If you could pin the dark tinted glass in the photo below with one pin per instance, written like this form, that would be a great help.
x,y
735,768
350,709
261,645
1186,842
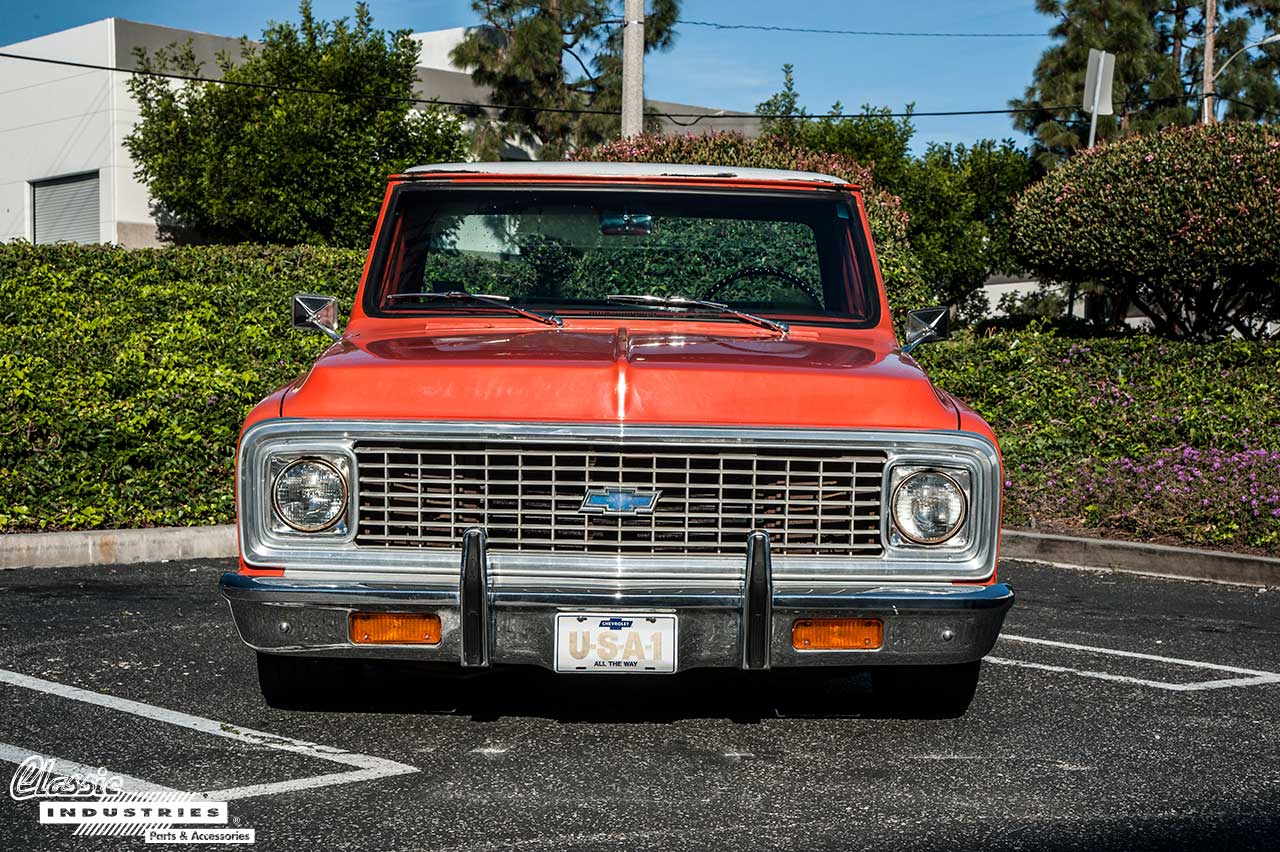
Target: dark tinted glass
x,y
795,254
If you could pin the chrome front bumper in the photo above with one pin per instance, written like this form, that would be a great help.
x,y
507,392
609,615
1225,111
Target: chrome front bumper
x,y
745,626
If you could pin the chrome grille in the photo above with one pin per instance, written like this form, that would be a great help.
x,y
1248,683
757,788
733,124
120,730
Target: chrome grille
x,y
526,497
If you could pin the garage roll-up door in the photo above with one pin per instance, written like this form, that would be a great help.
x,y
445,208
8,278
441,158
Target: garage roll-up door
x,y
66,209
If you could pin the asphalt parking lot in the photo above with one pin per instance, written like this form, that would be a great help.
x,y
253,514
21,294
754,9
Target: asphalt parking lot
x,y
1118,712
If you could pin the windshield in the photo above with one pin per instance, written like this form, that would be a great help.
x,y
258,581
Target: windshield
x,y
799,256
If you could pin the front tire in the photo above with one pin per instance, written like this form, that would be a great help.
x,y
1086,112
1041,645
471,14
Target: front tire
x,y
295,683
931,692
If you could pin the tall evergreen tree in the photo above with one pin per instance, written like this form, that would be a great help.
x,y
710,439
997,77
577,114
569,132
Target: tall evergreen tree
x,y
1158,45
535,55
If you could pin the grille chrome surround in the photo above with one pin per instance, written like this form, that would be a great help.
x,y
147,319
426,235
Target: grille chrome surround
x,y
816,502
322,558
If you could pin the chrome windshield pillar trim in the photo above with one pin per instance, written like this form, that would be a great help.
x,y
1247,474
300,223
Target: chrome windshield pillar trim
x,y
473,600
757,603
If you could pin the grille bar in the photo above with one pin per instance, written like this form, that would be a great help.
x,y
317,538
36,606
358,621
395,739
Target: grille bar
x,y
526,497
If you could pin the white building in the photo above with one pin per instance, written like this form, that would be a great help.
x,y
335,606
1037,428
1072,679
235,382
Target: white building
x,y
65,175
64,172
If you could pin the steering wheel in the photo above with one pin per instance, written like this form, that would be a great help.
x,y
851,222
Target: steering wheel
x,y
765,272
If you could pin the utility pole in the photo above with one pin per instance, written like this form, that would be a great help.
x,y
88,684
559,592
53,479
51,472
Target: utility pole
x,y
1210,25
633,68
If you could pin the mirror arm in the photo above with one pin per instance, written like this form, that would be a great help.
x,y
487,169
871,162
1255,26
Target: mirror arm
x,y
922,337
331,333
307,309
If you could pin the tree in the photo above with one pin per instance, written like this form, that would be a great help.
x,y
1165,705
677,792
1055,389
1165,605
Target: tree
x,y
267,163
958,198
540,56
875,138
1158,68
1185,224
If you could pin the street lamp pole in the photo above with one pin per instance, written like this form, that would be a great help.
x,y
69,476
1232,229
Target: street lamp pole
x,y
1271,39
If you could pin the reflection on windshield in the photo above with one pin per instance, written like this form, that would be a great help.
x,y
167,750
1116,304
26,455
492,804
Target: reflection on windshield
x,y
562,250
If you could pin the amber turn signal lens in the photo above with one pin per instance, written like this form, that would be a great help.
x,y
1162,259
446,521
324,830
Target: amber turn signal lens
x,y
395,628
837,634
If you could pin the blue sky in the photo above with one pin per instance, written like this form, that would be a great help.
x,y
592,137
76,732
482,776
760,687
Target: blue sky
x,y
732,69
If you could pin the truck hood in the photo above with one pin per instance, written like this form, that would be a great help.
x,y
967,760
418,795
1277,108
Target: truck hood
x,y
621,376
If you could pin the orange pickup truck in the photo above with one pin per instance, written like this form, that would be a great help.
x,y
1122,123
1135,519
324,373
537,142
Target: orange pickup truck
x,y
620,419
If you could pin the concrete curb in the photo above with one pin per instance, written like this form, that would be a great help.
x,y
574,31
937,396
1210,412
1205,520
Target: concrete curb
x,y
117,547
1136,558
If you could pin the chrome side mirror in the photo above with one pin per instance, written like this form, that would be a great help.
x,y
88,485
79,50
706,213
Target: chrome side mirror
x,y
316,313
926,325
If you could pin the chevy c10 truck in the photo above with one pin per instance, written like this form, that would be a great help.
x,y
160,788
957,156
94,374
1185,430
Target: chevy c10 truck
x,y
623,419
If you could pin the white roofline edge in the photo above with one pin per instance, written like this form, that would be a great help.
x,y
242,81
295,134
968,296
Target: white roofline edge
x,y
630,170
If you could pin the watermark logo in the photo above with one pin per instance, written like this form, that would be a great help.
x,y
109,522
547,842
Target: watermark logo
x,y
98,802
39,776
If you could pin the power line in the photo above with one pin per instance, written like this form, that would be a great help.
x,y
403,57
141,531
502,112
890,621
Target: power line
x,y
193,78
696,116
877,33
1258,109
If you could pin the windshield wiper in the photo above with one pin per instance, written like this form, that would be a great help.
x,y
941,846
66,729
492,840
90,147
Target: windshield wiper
x,y
685,302
487,298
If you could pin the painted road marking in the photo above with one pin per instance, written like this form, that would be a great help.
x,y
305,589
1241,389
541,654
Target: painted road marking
x,y
68,768
1252,676
367,768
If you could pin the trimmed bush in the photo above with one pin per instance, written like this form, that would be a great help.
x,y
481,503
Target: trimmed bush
x,y
901,269
128,373
1183,223
1139,437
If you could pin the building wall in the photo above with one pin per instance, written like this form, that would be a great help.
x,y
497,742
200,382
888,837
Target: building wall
x,y
56,121
135,224
59,120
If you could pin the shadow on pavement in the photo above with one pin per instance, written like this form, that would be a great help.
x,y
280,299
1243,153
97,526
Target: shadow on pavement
x,y
744,697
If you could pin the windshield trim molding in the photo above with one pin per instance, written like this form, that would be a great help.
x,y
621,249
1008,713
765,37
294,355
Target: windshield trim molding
x,y
371,284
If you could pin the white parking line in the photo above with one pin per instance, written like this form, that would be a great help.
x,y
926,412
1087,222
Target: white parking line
x,y
1253,677
68,768
367,768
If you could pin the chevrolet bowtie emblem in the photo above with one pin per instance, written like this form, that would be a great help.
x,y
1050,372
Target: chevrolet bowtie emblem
x,y
619,501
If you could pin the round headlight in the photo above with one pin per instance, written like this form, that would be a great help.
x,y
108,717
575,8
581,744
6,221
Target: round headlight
x,y
310,495
928,507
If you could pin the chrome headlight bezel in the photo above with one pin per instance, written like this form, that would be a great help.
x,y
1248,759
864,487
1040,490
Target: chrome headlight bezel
x,y
258,519
959,478
978,480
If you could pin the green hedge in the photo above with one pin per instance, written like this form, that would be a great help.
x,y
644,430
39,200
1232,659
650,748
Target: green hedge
x,y
1140,436
127,375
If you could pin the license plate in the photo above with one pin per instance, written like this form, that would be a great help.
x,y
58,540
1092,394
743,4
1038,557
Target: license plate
x,y
607,642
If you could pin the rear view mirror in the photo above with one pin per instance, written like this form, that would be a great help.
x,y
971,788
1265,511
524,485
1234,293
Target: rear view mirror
x,y
926,325
626,224
316,313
